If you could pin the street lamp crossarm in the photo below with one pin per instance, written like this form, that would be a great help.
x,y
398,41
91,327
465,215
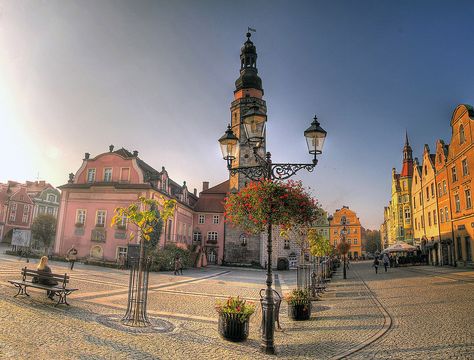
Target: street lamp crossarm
x,y
285,171
254,173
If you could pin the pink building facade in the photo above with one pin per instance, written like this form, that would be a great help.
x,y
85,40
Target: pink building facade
x,y
105,182
209,226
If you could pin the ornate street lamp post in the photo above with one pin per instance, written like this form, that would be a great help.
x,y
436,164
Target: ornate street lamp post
x,y
253,122
344,250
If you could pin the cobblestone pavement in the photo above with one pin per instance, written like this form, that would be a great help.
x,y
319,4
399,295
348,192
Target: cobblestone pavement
x,y
431,309
349,317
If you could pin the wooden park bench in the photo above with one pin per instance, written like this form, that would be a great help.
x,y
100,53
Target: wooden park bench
x,y
61,290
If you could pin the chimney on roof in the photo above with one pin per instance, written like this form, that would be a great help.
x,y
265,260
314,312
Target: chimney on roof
x,y
135,153
205,185
195,192
111,148
86,156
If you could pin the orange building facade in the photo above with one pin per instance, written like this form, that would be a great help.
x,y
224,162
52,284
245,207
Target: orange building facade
x,y
353,230
460,170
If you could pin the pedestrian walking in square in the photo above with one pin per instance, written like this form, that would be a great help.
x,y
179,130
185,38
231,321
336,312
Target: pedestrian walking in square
x,y
386,261
71,256
376,265
177,266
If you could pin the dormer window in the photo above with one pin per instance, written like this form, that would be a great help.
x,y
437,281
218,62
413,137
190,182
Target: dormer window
x,y
51,198
90,175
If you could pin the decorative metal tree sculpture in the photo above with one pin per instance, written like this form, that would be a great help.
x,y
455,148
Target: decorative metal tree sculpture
x,y
145,217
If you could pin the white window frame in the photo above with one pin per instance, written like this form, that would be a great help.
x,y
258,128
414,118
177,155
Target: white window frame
x,y
14,207
50,210
355,241
109,179
53,196
81,214
104,217
197,236
465,167
12,216
457,203
121,250
91,175
24,219
201,219
467,194
215,219
212,236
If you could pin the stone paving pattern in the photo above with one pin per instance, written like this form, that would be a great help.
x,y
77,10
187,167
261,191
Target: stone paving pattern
x,y
424,326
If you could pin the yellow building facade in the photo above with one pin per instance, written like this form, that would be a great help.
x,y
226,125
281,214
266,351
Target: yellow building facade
x,y
347,218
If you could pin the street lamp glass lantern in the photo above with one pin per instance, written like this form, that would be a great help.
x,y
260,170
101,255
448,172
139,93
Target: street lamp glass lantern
x,y
315,136
229,144
254,124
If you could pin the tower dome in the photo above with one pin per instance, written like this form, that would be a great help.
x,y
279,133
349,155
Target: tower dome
x,y
248,78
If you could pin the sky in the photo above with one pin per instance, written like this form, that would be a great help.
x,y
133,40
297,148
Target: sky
x,y
158,77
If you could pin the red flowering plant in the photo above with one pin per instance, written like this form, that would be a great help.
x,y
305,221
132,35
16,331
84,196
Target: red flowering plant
x,y
286,204
240,308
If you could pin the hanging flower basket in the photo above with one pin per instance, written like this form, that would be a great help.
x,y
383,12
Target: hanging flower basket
x,y
234,316
283,203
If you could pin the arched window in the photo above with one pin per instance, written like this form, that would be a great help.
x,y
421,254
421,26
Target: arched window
x,y
462,137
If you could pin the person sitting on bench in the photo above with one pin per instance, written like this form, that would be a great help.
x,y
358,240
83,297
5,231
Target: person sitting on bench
x,y
44,278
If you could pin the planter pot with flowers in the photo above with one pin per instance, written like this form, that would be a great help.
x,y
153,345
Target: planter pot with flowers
x,y
299,304
234,315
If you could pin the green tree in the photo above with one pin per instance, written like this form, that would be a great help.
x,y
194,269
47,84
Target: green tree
x,y
145,217
43,229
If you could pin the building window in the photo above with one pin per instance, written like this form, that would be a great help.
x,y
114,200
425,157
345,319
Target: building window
x,y
212,236
426,170
286,244
441,215
215,219
100,220
80,216
457,203
416,180
24,218
26,209
422,221
201,219
462,137
349,241
122,251
414,202
335,231
14,207
400,214
108,174
444,187
197,236
407,216
467,192
335,242
355,231
51,198
41,209
429,218
435,220
465,170
355,241
12,216
446,214
454,175
50,210
348,231
432,190
427,193
421,198
439,190
90,175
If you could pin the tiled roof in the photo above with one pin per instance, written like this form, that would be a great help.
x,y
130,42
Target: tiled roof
x,y
212,200
222,188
